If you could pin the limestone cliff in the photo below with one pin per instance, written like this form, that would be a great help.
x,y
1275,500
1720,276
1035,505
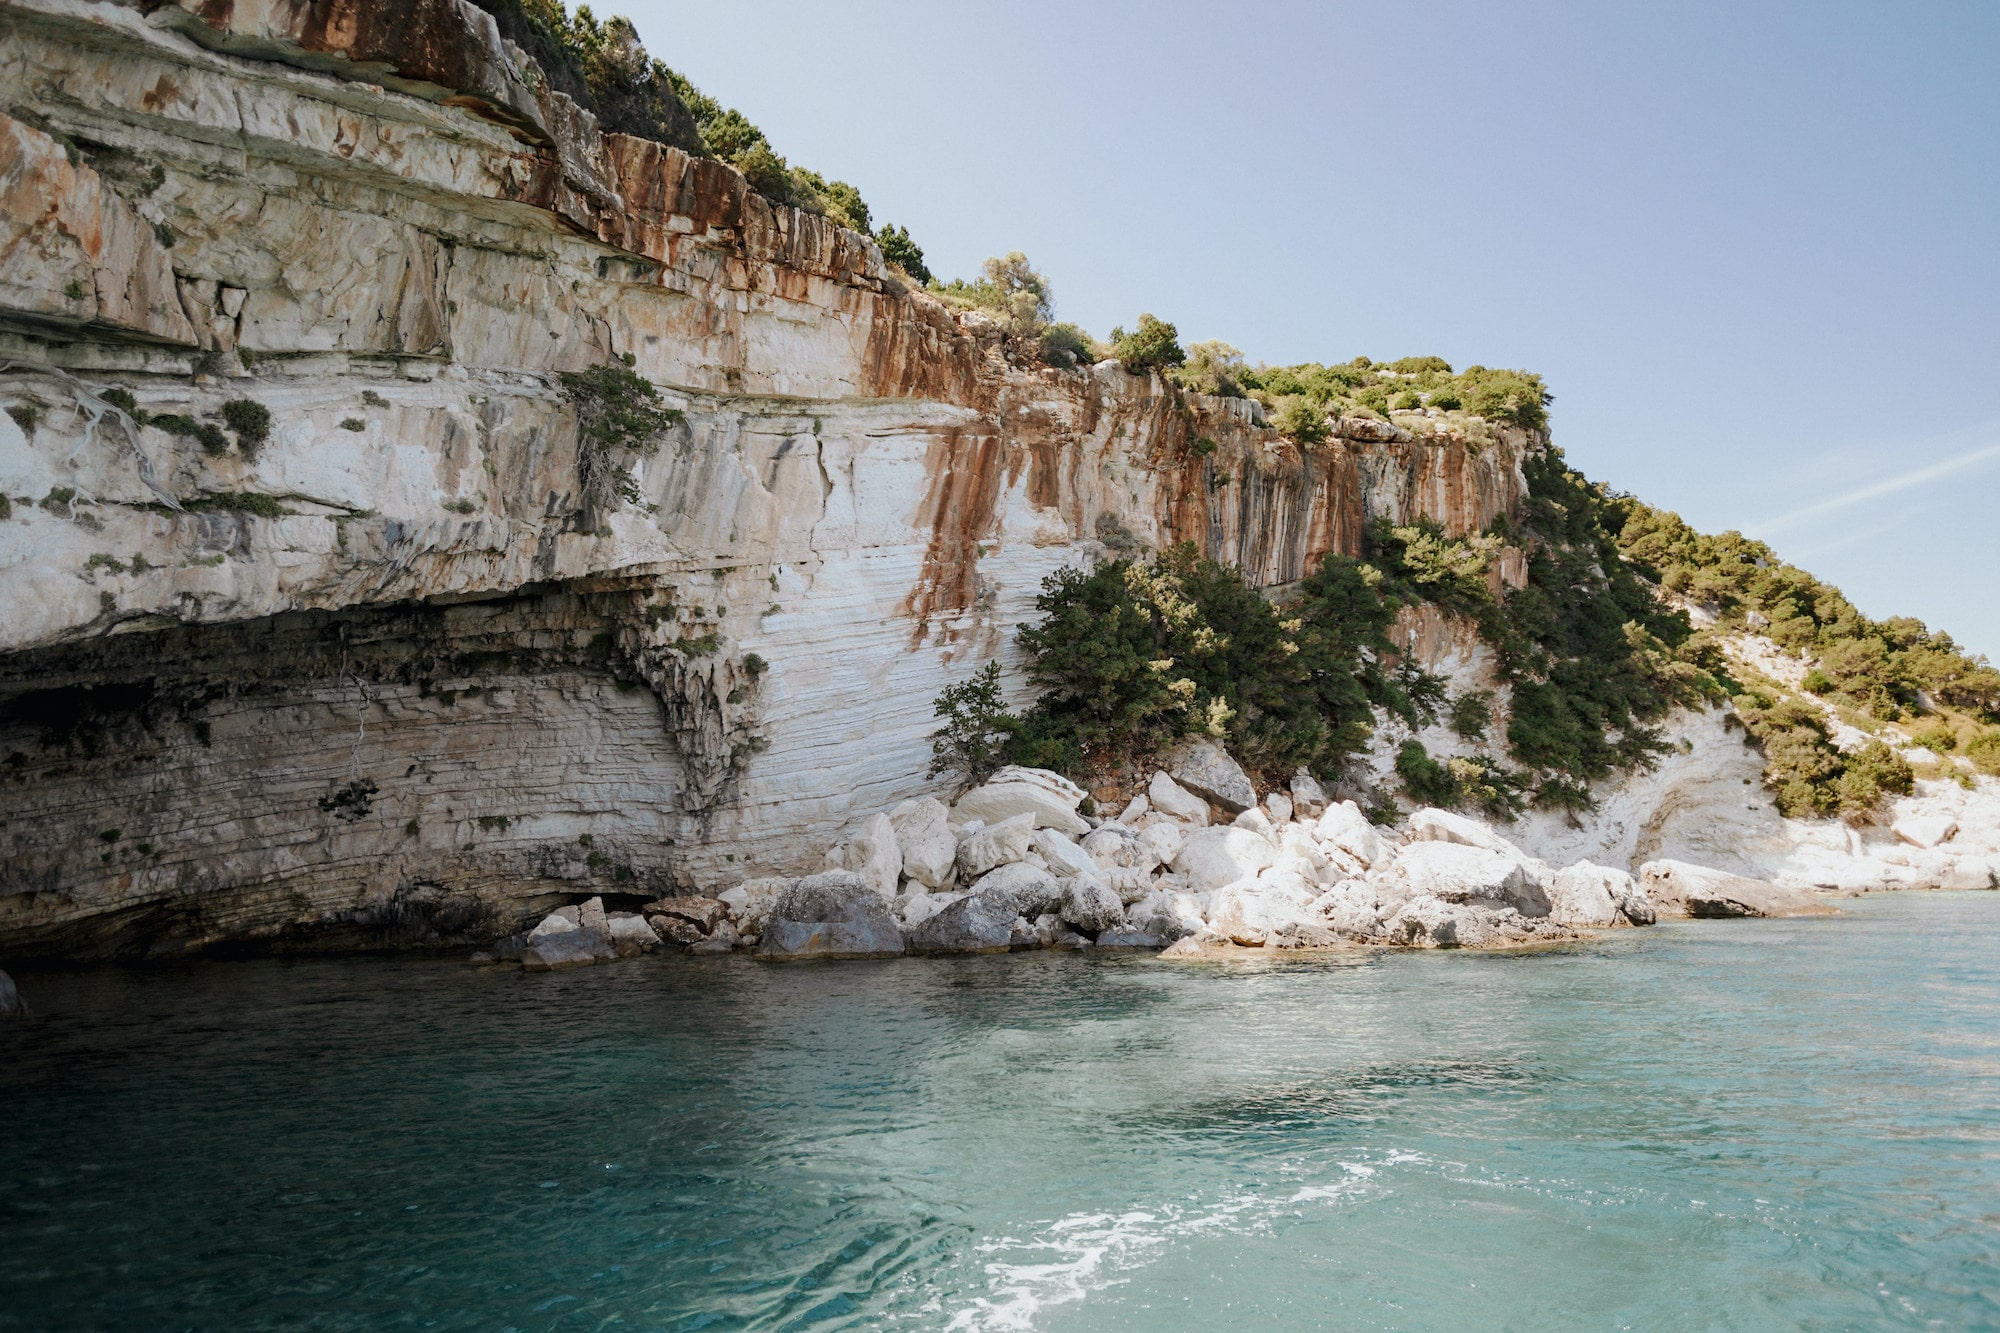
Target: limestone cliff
x,y
385,671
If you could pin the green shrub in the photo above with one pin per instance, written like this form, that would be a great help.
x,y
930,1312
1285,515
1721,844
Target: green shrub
x,y
1425,780
1153,345
1938,738
213,442
1203,446
1065,346
1210,368
977,727
1127,657
1300,420
26,416
123,400
619,413
1405,401
251,421
1984,752
904,253
1472,714
1011,290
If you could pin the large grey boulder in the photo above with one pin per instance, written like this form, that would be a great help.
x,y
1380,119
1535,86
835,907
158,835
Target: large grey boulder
x,y
1024,890
836,914
1090,905
1175,801
1205,768
1455,873
579,947
1215,856
1588,896
1130,937
973,924
995,845
1684,889
11,1003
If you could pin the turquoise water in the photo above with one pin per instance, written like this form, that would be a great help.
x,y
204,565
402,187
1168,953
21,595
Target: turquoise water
x,y
1708,1125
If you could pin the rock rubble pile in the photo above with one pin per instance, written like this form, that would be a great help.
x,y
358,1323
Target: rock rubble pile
x,y
1198,865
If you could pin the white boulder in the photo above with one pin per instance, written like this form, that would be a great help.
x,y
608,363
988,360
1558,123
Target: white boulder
x,y
1270,913
555,923
1434,825
1205,768
1090,906
1258,823
1049,797
874,854
1063,857
1345,828
1164,841
923,835
1925,830
1175,801
1213,857
1455,873
1588,896
993,845
1279,807
1308,797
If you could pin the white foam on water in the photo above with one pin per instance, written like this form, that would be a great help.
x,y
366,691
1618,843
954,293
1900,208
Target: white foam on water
x,y
1073,1257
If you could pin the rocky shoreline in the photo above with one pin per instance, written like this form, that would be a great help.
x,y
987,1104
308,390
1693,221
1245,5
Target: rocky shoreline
x,y
1197,866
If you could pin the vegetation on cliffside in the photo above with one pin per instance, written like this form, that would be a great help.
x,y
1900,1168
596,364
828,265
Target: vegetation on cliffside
x,y
605,69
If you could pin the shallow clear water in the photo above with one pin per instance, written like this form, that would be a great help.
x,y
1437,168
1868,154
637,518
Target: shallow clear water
x,y
1721,1125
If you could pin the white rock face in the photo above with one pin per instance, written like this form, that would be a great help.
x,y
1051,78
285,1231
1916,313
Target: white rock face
x,y
1170,798
1213,857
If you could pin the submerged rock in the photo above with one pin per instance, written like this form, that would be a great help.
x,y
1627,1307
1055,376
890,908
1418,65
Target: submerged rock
x,y
11,1003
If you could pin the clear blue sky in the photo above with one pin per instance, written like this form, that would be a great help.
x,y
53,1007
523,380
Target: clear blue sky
x,y
1753,248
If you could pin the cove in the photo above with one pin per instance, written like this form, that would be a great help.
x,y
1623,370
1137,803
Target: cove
x,y
1748,1124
